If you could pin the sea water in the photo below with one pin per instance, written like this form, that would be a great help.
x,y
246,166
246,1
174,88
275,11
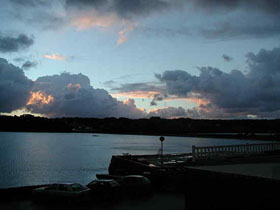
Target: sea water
x,y
42,158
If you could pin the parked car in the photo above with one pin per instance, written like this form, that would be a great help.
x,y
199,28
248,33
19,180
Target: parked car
x,y
104,188
61,192
135,184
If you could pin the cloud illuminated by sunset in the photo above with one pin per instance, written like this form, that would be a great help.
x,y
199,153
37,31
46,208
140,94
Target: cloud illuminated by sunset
x,y
202,104
130,26
40,98
73,87
55,57
136,94
95,20
199,101
89,21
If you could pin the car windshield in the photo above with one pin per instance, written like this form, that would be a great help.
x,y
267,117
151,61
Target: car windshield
x,y
78,187
136,179
94,182
145,180
63,188
114,184
52,187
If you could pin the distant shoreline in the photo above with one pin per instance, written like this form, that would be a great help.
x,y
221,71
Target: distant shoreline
x,y
155,126
261,137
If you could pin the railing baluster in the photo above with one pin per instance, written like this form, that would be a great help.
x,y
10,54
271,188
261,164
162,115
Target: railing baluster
x,y
215,151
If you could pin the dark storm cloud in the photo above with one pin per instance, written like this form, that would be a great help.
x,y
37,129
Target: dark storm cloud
x,y
227,57
143,7
239,24
15,87
133,87
29,3
153,103
46,20
74,96
271,6
234,93
28,65
13,44
260,18
230,91
65,95
109,84
158,97
128,8
41,14
82,4
131,8
167,32
247,29
244,19
177,82
124,8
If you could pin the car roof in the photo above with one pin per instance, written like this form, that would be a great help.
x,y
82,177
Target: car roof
x,y
104,180
135,176
69,183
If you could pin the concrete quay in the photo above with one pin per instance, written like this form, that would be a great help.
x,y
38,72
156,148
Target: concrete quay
x,y
224,177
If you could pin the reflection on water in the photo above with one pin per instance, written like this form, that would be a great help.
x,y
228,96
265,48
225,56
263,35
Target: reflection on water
x,y
39,158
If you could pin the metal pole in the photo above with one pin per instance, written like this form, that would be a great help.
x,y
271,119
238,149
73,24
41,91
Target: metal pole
x,y
161,150
161,153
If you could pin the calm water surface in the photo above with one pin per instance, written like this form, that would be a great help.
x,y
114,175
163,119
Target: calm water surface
x,y
39,158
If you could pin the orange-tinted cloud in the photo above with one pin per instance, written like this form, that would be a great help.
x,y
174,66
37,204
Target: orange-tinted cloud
x,y
202,104
93,19
73,87
129,101
55,57
40,98
199,101
89,21
123,34
136,94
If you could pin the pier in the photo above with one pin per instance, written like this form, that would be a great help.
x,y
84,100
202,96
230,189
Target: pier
x,y
218,177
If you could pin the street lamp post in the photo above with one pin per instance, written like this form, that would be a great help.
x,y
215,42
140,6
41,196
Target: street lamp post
x,y
161,149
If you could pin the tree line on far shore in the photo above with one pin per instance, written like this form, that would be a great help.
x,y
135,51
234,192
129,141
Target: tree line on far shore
x,y
152,126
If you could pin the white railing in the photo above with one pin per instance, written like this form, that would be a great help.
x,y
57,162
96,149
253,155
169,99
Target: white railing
x,y
212,152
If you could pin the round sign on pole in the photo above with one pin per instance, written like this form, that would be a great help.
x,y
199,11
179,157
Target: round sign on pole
x,y
161,138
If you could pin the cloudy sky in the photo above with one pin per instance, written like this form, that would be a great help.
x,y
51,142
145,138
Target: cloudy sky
x,y
140,58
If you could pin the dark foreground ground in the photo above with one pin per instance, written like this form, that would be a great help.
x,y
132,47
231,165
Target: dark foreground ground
x,y
232,184
159,200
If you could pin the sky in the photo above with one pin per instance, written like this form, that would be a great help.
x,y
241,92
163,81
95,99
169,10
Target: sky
x,y
197,59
